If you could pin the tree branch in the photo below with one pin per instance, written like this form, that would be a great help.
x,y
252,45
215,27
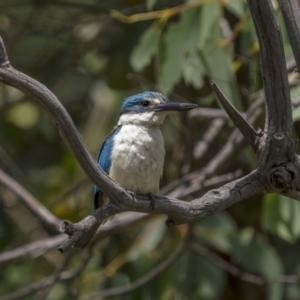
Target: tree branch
x,y
44,215
238,120
208,137
279,168
277,148
44,283
55,277
62,120
291,14
156,271
235,271
273,65
37,248
179,212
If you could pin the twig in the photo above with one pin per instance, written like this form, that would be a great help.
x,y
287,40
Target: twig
x,y
208,137
197,185
123,290
245,128
41,284
119,223
55,277
64,124
35,248
207,113
40,211
223,158
234,270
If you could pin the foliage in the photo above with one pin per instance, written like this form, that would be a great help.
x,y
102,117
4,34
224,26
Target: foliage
x,y
91,58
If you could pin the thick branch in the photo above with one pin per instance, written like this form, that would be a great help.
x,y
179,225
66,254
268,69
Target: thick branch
x,y
62,120
278,101
179,211
291,14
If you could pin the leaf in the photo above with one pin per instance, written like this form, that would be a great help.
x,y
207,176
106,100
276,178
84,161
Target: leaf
x,y
141,55
209,16
257,256
148,239
179,37
216,231
179,55
24,115
237,7
295,94
150,4
192,69
281,216
217,60
194,277
285,39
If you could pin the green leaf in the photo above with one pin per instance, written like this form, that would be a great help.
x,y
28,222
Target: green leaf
x,y
209,16
216,231
180,37
58,292
236,7
285,39
150,4
281,216
207,280
295,94
24,115
179,56
148,240
148,44
217,60
192,69
257,256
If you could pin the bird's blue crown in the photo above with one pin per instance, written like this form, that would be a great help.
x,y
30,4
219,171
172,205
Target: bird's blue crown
x,y
137,103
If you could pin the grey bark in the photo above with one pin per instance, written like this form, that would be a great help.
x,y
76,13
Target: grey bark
x,y
278,164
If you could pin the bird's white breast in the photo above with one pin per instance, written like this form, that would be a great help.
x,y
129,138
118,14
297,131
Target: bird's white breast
x,y
137,158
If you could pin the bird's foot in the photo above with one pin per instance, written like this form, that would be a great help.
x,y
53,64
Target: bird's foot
x,y
152,200
131,193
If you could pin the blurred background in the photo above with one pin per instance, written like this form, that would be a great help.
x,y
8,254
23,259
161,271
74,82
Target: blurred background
x,y
92,54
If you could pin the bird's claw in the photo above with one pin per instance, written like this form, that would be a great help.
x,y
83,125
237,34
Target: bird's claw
x,y
152,200
131,193
149,195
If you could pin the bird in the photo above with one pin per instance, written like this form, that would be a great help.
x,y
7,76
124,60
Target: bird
x,y
133,154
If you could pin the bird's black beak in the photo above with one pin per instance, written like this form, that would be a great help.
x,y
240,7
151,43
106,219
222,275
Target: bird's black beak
x,y
174,106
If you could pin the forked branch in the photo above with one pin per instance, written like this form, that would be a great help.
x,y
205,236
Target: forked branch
x,y
279,168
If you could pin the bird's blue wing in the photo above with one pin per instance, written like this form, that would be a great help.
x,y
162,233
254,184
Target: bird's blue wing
x,y
104,161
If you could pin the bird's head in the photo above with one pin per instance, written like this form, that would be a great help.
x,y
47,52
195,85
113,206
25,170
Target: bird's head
x,y
149,107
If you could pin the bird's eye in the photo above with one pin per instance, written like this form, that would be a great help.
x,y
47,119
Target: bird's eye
x,y
145,103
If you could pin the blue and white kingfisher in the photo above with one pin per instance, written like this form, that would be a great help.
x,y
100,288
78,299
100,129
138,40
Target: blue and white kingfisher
x,y
133,154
